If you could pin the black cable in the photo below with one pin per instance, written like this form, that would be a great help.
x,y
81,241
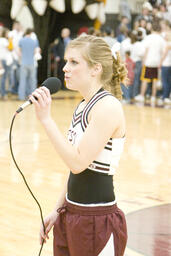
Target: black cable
x,y
41,214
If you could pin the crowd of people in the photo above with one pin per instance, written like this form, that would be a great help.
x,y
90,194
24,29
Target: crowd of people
x,y
145,47
144,44
19,53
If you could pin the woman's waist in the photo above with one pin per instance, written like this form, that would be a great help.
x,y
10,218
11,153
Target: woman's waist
x,y
96,209
89,187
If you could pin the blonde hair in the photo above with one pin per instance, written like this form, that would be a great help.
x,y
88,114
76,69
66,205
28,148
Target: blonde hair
x,y
96,50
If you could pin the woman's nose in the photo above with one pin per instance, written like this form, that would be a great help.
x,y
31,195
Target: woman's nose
x,y
65,68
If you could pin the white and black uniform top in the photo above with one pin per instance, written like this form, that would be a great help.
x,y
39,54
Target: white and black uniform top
x,y
93,186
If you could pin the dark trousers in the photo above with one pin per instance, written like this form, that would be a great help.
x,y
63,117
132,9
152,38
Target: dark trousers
x,y
137,81
86,231
166,81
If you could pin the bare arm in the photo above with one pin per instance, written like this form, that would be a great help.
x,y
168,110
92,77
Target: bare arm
x,y
50,220
106,119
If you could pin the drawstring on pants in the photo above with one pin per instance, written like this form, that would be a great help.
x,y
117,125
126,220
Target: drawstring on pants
x,y
62,209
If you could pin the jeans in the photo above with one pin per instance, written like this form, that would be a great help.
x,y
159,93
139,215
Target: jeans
x,y
127,92
166,81
7,74
16,76
137,82
28,81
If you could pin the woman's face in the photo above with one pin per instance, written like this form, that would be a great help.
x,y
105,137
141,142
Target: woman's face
x,y
149,26
77,72
142,23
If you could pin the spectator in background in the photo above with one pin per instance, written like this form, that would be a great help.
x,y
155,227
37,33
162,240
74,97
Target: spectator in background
x,y
124,9
154,2
37,53
166,69
142,27
165,27
58,50
1,67
137,53
162,11
127,91
27,83
123,34
82,31
155,11
168,12
1,70
6,62
122,28
146,15
142,23
154,45
135,27
94,32
126,44
148,28
144,33
108,36
15,35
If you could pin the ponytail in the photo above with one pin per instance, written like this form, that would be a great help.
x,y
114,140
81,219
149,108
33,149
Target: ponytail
x,y
119,76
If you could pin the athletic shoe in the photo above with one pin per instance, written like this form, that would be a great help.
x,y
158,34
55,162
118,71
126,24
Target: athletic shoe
x,y
167,101
153,100
139,98
160,102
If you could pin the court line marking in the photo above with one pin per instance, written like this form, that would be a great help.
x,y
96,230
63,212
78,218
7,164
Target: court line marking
x,y
130,252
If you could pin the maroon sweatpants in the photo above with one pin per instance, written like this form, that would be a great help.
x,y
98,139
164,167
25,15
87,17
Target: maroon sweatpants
x,y
84,231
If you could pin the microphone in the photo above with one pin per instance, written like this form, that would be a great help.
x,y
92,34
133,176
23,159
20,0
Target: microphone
x,y
52,83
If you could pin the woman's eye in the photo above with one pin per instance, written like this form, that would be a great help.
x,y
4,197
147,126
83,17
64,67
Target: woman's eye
x,y
74,62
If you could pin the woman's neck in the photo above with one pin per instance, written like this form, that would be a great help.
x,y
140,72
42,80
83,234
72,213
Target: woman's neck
x,y
89,92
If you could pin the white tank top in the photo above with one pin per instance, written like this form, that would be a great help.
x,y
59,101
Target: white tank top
x,y
108,159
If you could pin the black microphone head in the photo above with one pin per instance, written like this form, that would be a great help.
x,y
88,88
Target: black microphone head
x,y
53,84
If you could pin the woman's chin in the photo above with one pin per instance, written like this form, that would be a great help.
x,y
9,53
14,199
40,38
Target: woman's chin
x,y
70,86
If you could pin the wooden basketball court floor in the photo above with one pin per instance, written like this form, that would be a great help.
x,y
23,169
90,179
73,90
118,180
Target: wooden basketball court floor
x,y
142,182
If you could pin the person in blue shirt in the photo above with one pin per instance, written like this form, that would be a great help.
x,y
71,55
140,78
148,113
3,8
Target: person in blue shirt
x,y
28,79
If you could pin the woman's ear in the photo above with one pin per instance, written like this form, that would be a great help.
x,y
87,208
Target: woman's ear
x,y
97,69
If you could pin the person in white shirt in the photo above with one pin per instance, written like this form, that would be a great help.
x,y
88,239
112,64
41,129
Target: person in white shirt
x,y
6,62
154,45
126,45
108,37
137,53
16,34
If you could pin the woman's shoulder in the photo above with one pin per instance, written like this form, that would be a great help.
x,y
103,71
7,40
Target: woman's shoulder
x,y
108,104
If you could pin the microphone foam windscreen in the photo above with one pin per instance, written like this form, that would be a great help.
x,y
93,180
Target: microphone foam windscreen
x,y
53,84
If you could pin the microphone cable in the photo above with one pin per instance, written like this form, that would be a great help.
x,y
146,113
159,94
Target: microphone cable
x,y
11,150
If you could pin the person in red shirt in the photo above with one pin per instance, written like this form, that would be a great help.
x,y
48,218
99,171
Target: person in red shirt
x,y
130,65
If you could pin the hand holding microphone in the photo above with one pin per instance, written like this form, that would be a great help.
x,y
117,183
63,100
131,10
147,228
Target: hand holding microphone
x,y
52,83
41,98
